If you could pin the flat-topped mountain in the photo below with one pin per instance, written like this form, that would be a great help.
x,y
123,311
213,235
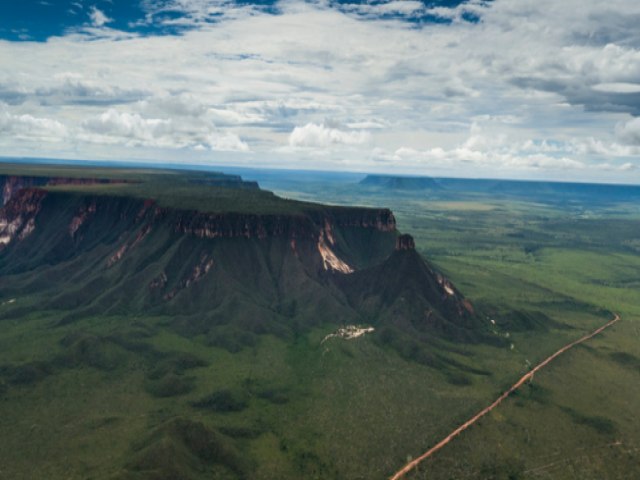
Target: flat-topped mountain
x,y
120,244
399,182
467,188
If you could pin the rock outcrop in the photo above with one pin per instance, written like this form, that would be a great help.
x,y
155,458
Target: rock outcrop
x,y
18,215
405,242
321,229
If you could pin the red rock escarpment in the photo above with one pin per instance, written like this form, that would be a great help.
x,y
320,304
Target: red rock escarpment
x,y
17,217
405,242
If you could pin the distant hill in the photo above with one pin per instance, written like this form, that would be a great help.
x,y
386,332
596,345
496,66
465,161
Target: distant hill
x,y
399,182
542,191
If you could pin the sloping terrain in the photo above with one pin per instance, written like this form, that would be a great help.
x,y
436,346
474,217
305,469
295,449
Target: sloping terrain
x,y
114,254
546,269
119,282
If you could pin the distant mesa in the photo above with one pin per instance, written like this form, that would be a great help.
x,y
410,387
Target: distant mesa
x,y
545,191
393,182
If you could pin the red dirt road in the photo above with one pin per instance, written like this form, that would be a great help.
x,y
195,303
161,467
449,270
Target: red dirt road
x,y
414,463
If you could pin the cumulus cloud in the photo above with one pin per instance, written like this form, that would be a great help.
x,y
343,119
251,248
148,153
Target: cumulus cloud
x,y
114,126
320,136
229,142
473,161
129,126
28,127
547,84
627,167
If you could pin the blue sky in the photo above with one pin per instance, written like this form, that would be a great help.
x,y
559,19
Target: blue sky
x,y
507,88
38,20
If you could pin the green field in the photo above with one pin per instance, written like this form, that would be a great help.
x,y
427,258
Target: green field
x,y
131,396
579,418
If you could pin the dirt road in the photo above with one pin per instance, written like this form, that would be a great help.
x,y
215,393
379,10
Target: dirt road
x,y
414,463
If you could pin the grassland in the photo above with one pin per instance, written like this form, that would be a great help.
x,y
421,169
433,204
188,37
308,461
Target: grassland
x,y
128,397
566,260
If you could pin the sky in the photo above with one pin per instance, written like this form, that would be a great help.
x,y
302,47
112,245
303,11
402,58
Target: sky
x,y
530,89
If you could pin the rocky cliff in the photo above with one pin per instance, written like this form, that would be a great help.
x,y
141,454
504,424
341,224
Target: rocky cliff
x,y
105,254
18,215
405,242
80,215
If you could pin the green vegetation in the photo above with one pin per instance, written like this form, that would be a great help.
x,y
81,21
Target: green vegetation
x,y
545,270
172,189
117,389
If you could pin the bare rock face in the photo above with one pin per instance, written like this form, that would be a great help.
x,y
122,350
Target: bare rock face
x,y
17,217
236,225
405,242
381,219
233,225
12,184
256,269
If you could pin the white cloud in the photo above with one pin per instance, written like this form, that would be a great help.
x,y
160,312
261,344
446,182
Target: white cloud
x,y
546,84
407,8
619,87
479,161
129,126
113,126
320,135
626,167
367,124
629,132
227,143
98,18
28,127
181,105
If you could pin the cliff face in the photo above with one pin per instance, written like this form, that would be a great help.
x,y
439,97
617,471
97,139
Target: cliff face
x,y
412,297
113,254
235,225
231,225
18,215
323,231
12,184
380,219
405,242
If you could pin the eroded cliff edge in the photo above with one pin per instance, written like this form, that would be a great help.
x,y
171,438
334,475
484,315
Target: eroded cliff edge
x,y
93,252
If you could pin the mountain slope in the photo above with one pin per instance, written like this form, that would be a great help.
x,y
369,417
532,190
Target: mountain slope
x,y
260,271
412,296
188,342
